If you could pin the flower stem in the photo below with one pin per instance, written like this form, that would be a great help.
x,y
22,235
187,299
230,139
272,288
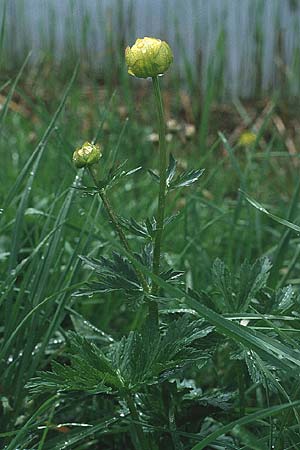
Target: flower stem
x,y
114,220
162,183
116,225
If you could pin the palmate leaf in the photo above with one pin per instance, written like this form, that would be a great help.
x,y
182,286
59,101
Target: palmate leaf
x,y
284,300
139,359
239,290
222,280
278,354
265,374
138,229
251,279
64,378
115,175
147,228
215,398
185,179
90,370
171,169
116,274
180,337
150,357
259,371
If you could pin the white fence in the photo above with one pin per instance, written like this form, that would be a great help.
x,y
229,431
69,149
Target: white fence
x,y
242,34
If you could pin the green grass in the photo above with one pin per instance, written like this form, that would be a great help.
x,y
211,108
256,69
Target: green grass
x,y
235,386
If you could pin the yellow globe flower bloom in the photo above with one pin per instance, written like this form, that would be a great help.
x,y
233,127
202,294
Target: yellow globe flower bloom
x,y
247,138
87,155
148,57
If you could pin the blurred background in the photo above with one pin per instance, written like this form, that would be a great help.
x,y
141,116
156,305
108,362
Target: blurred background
x,y
248,47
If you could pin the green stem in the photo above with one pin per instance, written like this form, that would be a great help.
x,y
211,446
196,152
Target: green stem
x,y
162,185
114,220
116,225
143,444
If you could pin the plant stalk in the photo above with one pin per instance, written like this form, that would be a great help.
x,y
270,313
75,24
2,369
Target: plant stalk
x,y
116,225
162,182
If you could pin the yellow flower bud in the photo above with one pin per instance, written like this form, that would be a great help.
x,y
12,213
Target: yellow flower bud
x,y
247,139
148,57
87,155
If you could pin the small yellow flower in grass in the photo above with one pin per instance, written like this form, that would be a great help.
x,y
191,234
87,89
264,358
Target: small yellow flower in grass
x,y
87,155
148,57
247,138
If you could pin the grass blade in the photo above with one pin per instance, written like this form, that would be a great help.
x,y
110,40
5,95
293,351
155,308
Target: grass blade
x,y
286,223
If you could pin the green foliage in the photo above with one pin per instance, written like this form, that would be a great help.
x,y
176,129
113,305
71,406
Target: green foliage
x,y
117,274
240,290
138,360
260,372
285,300
109,179
220,369
145,229
184,179
115,175
90,370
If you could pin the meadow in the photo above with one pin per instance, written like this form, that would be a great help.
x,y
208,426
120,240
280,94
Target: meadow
x,y
100,348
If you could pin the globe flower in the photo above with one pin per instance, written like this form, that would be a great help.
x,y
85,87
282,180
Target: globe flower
x,y
247,139
87,155
148,57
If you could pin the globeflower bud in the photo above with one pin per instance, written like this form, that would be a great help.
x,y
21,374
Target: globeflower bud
x,y
87,155
247,139
148,57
